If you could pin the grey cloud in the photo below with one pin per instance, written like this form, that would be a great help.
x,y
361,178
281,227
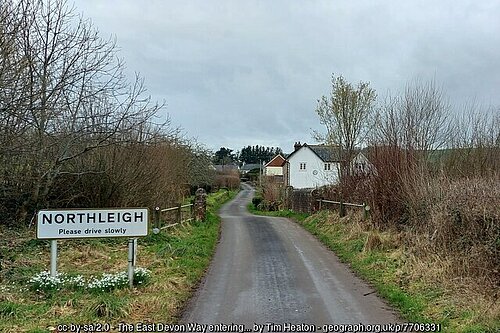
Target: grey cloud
x,y
235,73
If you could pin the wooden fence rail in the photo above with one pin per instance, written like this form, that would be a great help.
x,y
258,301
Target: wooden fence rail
x,y
196,210
343,205
179,217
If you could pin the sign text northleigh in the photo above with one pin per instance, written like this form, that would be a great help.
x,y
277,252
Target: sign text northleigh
x,y
92,223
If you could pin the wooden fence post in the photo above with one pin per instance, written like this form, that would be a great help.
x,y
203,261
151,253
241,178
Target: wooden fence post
x,y
342,208
315,204
157,217
192,210
366,211
179,213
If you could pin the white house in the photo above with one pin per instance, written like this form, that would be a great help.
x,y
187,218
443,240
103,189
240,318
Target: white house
x,y
312,166
275,166
360,165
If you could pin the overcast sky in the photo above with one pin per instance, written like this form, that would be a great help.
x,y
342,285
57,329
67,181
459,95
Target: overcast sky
x,y
236,73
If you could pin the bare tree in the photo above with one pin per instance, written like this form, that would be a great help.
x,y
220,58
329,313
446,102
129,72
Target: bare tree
x,y
474,145
201,170
13,87
408,131
418,120
345,114
70,95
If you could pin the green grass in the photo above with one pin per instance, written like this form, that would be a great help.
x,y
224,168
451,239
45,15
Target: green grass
x,y
377,267
177,258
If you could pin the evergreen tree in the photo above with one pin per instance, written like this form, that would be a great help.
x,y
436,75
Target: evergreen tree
x,y
224,156
257,154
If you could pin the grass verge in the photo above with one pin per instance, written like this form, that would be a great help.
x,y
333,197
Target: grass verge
x,y
177,259
399,274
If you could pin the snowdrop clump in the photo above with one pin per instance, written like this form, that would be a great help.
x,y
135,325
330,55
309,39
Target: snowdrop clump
x,y
76,282
43,282
141,275
109,282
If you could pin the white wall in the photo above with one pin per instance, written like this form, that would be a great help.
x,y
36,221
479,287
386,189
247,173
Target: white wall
x,y
308,178
361,164
273,171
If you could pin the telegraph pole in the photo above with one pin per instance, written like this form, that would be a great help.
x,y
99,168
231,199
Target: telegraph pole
x,y
260,173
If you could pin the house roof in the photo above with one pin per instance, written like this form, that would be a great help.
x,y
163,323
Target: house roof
x,y
250,166
225,167
325,152
277,161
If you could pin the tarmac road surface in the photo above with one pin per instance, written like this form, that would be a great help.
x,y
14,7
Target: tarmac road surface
x,y
270,270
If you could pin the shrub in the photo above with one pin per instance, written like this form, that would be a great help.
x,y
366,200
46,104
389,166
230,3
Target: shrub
x,y
229,179
256,201
465,222
269,205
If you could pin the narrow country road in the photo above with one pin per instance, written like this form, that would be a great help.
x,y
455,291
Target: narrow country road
x,y
270,270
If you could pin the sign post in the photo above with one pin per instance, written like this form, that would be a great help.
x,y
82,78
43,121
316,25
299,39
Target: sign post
x,y
93,223
53,258
131,263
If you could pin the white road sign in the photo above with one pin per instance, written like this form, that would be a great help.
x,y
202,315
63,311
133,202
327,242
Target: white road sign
x,y
92,223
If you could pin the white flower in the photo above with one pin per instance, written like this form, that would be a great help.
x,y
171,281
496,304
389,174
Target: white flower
x,y
44,282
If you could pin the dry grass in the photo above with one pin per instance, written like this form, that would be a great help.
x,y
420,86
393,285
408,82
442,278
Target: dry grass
x,y
461,297
464,227
441,281
65,310
447,231
84,258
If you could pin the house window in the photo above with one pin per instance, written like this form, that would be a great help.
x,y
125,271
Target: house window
x,y
327,166
302,166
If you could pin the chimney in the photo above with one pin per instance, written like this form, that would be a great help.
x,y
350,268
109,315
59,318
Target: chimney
x,y
296,146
